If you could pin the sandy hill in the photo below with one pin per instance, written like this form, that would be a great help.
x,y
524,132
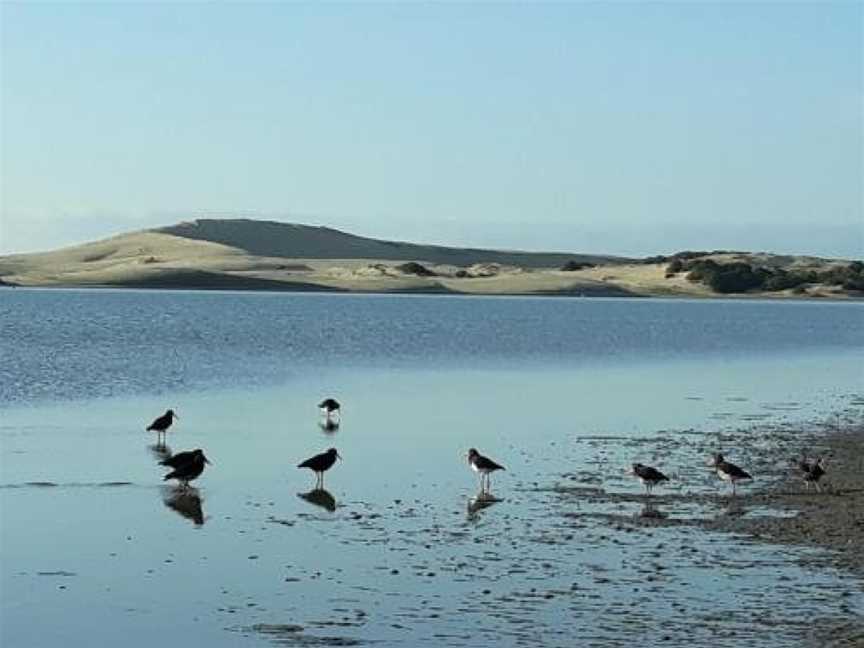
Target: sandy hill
x,y
289,240
266,255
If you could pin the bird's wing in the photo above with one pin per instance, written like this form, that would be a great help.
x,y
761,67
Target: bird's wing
x,y
652,474
310,462
485,463
735,471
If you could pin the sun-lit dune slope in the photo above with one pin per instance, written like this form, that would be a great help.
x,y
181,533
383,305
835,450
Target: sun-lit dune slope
x,y
117,259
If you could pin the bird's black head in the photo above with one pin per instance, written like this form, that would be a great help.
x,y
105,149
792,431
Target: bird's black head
x,y
198,452
718,458
472,452
636,467
171,413
333,452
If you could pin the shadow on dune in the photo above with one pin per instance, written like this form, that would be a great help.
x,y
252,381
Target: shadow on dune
x,y
290,240
203,280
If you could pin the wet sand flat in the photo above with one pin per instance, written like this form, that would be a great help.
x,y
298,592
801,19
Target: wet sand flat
x,y
254,556
398,548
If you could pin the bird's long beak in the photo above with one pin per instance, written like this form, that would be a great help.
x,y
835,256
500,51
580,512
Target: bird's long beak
x,y
338,456
175,415
207,461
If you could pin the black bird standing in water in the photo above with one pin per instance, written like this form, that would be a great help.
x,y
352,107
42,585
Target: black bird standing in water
x,y
320,463
484,466
187,466
649,476
161,424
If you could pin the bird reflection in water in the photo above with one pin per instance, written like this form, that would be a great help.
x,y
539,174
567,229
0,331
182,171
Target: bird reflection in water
x,y
160,451
329,425
651,512
732,508
480,502
320,497
186,502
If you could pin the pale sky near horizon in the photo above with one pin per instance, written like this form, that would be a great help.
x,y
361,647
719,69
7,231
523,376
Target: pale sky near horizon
x,y
609,128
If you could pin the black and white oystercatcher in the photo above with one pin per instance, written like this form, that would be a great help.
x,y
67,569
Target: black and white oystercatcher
x,y
649,476
484,466
330,406
187,466
729,471
321,463
161,424
813,472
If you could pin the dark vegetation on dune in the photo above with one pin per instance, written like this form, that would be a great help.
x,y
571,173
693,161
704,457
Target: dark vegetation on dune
x,y
414,268
573,266
742,276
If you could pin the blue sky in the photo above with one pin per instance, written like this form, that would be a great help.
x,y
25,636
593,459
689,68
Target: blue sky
x,y
619,128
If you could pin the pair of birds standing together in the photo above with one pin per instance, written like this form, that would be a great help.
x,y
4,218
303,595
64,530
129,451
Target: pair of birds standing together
x,y
187,466
726,470
321,463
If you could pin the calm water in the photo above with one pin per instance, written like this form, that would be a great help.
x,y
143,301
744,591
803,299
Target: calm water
x,y
562,391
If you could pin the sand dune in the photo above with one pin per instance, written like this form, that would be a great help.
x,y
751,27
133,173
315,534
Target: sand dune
x,y
251,255
289,240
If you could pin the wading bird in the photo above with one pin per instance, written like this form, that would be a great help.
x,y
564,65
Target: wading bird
x,y
161,424
187,466
729,471
649,476
330,407
321,463
484,466
813,472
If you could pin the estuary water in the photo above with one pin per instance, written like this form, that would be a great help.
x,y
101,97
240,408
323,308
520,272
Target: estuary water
x,y
96,549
